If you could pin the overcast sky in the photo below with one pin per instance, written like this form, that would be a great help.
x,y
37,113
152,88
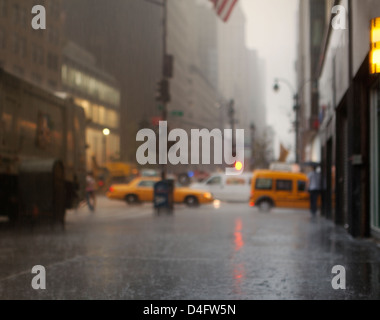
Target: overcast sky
x,y
272,30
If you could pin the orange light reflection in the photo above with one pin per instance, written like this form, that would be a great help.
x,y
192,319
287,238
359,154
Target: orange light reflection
x,y
239,242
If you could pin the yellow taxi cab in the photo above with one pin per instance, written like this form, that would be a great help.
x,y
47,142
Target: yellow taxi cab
x,y
142,190
279,189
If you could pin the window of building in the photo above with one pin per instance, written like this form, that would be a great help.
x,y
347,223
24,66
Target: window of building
x,y
2,39
91,86
3,8
23,47
112,119
16,14
375,157
37,55
23,17
95,114
52,84
102,116
52,61
34,54
53,36
36,78
85,105
284,185
15,45
54,8
18,70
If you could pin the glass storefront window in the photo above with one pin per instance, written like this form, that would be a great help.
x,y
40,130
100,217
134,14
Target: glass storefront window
x,y
375,158
102,116
112,119
91,86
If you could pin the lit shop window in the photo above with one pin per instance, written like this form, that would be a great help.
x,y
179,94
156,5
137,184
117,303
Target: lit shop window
x,y
89,85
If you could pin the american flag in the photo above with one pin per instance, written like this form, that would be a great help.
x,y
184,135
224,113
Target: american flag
x,y
224,8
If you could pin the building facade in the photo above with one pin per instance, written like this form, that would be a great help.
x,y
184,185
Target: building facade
x,y
34,55
241,78
348,106
129,48
311,26
98,94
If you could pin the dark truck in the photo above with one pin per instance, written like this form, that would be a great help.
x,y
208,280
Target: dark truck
x,y
42,152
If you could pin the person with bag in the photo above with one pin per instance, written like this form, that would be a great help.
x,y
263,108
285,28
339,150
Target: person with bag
x,y
90,191
314,187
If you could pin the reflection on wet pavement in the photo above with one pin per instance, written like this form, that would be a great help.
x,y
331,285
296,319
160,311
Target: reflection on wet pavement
x,y
234,252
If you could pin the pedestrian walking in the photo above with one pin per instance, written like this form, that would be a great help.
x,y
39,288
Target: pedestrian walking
x,y
314,186
90,191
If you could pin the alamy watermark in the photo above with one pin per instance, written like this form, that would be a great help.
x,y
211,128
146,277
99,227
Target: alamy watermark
x,y
339,281
39,281
179,151
39,20
339,22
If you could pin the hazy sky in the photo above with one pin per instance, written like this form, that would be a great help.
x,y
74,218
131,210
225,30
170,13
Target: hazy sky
x,y
272,30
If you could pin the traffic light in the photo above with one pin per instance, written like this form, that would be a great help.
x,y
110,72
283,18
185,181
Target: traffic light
x,y
168,66
163,91
238,165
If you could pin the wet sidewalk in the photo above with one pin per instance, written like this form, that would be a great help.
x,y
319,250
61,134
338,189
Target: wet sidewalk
x,y
320,260
221,252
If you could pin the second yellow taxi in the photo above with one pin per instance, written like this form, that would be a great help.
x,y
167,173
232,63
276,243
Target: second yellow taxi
x,y
142,190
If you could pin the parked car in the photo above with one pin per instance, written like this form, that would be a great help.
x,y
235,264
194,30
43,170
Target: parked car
x,y
279,189
142,190
227,188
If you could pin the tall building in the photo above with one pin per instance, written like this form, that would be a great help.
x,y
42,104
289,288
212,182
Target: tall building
x,y
99,95
311,23
241,76
206,28
257,102
34,55
125,36
192,40
210,62
193,45
349,118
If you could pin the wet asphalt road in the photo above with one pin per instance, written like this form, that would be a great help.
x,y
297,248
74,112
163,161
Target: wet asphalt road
x,y
227,252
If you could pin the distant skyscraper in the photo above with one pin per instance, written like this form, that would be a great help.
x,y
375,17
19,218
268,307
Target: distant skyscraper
x,y
240,76
206,30
192,40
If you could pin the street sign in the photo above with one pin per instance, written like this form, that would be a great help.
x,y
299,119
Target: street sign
x,y
177,113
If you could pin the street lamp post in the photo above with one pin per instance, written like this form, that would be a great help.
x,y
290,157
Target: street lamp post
x,y
106,133
296,107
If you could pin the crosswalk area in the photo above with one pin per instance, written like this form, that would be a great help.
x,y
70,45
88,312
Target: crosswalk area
x,y
109,210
